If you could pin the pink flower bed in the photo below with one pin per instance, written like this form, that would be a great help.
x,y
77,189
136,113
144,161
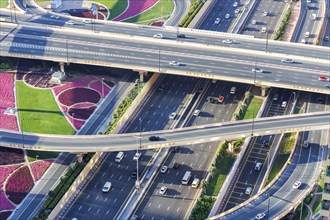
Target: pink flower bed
x,y
135,7
4,203
10,156
7,100
5,171
19,185
81,97
39,168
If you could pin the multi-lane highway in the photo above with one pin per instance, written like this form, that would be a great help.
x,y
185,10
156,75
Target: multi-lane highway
x,y
266,14
178,200
194,61
304,167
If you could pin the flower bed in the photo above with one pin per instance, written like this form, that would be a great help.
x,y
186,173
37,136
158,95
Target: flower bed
x,y
39,168
4,215
82,113
39,80
4,203
5,171
10,156
78,95
97,85
82,105
135,7
7,100
19,184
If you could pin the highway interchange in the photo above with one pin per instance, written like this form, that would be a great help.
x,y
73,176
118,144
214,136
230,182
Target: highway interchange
x,y
195,69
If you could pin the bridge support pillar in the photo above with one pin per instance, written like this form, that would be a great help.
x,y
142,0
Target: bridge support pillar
x,y
62,67
142,74
80,157
264,90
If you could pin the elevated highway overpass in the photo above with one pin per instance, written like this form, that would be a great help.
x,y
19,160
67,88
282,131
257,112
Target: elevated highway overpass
x,y
147,54
175,137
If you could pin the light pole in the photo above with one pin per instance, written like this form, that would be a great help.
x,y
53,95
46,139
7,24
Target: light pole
x,y
266,41
102,89
137,182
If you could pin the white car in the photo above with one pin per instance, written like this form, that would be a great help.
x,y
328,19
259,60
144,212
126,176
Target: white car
x,y
248,191
257,70
196,112
237,11
174,63
254,22
296,185
163,190
106,187
265,13
227,16
313,16
195,183
172,116
137,156
260,216
227,41
87,21
264,29
70,22
326,38
235,4
303,41
284,103
158,36
287,60
217,21
55,16
164,169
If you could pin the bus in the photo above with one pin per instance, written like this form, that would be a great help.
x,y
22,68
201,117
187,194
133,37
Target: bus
x,y
186,178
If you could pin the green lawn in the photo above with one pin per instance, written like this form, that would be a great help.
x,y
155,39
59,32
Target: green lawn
x,y
253,108
164,8
3,3
223,165
279,162
116,7
38,111
41,155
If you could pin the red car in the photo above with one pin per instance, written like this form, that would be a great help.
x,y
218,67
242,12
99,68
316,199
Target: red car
x,y
221,98
324,78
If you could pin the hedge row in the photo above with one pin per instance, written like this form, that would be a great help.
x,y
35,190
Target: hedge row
x,y
194,9
281,30
56,195
243,107
124,105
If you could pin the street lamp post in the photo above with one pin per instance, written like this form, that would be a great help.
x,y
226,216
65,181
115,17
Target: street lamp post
x,y
137,182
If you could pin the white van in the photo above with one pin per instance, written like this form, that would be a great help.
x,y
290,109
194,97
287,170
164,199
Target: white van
x,y
119,157
307,34
186,178
313,16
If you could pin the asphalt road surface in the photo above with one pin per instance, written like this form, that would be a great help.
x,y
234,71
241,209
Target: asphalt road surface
x,y
177,202
154,114
274,10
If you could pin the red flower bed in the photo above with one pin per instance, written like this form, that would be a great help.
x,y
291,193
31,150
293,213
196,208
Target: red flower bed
x,y
10,156
39,168
97,85
4,203
19,184
77,95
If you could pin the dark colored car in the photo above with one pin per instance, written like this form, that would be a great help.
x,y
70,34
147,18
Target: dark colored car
x,y
181,36
176,166
154,138
211,100
134,173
